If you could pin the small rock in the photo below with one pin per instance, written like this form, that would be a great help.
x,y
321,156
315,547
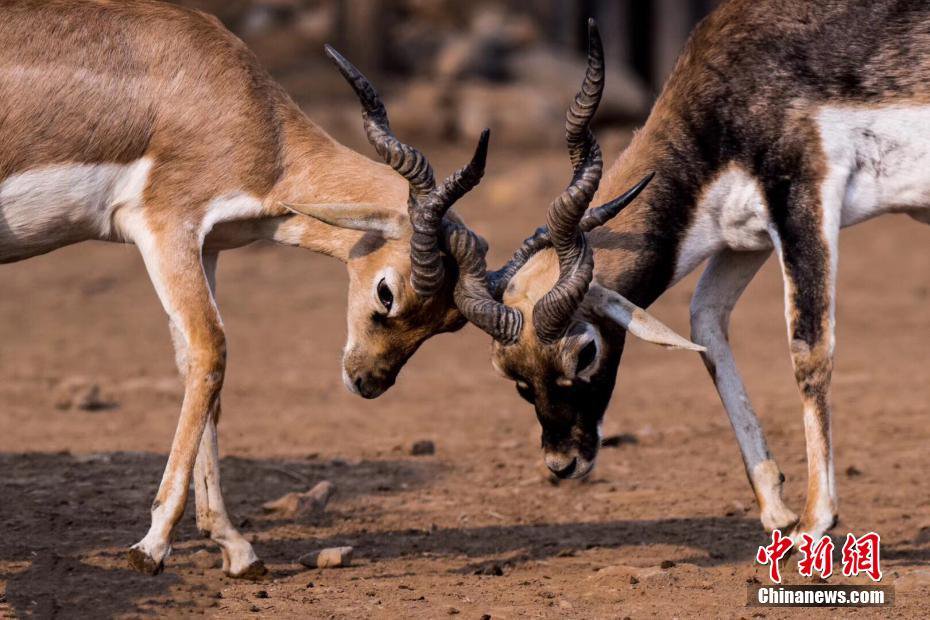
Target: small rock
x,y
80,393
852,471
452,611
633,580
204,559
623,439
667,564
486,617
334,557
302,504
735,508
424,447
261,594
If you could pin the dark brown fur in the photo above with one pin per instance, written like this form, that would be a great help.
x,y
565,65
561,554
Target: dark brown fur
x,y
743,93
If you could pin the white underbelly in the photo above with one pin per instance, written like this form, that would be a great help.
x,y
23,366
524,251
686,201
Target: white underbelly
x,y
49,207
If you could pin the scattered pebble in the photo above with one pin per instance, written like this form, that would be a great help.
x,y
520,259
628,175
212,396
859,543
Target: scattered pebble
x,y
667,564
311,502
424,447
452,611
80,393
334,557
735,508
623,439
261,594
852,471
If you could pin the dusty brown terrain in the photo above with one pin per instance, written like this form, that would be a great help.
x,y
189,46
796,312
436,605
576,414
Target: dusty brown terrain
x,y
476,528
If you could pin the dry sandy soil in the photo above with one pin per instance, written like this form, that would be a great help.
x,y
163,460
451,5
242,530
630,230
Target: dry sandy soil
x,y
477,528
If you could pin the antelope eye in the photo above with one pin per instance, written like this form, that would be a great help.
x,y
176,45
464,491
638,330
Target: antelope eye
x,y
385,296
586,357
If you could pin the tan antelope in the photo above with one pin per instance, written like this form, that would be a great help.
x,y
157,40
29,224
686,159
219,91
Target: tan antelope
x,y
782,122
140,122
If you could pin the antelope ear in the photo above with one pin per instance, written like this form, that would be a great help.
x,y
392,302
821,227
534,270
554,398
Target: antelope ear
x,y
355,216
637,321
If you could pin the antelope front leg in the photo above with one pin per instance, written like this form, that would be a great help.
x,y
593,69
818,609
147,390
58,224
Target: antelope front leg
x,y
175,266
239,559
721,286
806,238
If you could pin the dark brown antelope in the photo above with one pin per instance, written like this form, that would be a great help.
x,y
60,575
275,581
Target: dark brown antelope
x,y
781,123
144,123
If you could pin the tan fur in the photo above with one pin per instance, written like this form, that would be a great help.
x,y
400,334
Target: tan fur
x,y
99,82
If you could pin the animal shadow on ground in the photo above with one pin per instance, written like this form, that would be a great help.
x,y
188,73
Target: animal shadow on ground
x,y
723,540
66,521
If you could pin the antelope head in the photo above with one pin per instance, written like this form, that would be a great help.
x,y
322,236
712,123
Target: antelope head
x,y
400,281
556,335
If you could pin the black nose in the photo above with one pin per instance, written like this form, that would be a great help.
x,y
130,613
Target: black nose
x,y
370,387
568,470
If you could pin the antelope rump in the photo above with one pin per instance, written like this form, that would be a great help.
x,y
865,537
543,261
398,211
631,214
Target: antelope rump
x,y
782,123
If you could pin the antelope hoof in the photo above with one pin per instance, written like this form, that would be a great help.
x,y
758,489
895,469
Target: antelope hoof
x,y
255,570
779,518
815,527
140,561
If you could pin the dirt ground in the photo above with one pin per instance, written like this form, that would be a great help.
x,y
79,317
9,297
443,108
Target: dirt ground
x,y
477,528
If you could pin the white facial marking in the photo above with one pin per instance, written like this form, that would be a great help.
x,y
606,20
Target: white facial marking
x,y
347,381
394,282
497,367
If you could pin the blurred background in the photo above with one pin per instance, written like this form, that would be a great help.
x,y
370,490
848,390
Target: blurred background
x,y
449,68
89,393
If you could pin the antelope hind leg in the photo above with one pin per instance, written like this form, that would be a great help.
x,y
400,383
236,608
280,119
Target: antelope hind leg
x,y
806,238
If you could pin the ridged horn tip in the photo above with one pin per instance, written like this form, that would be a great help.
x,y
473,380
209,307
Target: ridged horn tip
x,y
335,56
633,193
480,158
